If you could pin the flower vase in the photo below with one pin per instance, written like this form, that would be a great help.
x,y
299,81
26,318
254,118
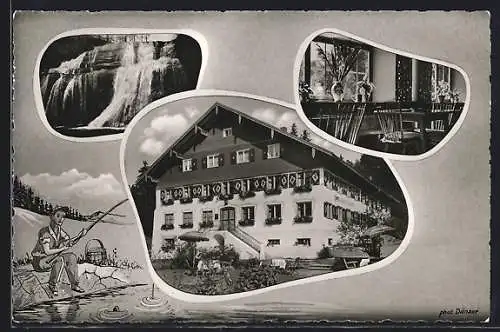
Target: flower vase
x,y
337,92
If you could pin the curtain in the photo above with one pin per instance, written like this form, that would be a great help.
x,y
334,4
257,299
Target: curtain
x,y
403,79
424,89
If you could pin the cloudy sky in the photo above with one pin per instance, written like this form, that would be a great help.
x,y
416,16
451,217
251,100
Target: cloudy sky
x,y
158,129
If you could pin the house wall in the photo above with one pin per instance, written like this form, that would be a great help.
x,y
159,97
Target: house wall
x,y
319,230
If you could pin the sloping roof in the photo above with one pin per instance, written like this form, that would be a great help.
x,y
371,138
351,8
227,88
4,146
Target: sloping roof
x,y
211,111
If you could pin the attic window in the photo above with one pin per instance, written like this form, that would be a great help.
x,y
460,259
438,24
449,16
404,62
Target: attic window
x,y
213,160
187,165
273,151
243,156
226,132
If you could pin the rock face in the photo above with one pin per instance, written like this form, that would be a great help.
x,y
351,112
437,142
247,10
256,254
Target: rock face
x,y
108,84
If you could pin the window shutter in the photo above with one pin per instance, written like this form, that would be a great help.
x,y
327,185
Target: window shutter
x,y
194,164
282,151
204,162
180,166
221,159
264,153
233,157
252,154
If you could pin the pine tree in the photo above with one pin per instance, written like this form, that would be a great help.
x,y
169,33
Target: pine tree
x,y
293,130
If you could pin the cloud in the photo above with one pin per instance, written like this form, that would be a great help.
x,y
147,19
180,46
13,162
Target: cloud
x,y
77,189
164,129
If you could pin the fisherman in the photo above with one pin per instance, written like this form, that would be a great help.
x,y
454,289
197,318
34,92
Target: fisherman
x,y
48,253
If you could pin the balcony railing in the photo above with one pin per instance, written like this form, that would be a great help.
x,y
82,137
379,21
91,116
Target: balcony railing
x,y
273,221
186,225
302,219
246,222
166,227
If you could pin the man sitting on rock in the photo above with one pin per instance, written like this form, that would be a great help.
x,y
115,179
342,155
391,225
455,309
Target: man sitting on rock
x,y
48,253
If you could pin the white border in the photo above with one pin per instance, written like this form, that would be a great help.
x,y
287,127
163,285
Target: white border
x,y
180,295
200,39
357,148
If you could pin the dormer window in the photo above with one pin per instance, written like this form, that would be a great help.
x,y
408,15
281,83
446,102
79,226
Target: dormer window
x,y
213,160
187,165
273,151
226,132
243,156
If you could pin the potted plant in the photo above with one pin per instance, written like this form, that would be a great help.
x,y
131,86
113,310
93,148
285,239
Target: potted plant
x,y
305,92
166,227
442,92
303,219
365,89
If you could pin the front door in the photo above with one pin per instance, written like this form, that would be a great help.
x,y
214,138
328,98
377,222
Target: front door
x,y
227,218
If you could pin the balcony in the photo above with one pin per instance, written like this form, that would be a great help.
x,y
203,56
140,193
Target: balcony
x,y
246,222
303,219
207,224
166,227
206,198
273,221
272,191
186,200
304,188
169,201
186,225
246,194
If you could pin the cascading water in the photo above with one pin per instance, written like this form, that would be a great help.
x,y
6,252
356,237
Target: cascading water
x,y
108,85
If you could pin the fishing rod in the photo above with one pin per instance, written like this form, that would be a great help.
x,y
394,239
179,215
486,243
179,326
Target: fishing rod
x,y
80,235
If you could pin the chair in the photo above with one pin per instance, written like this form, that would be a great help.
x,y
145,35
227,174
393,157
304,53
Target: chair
x,y
442,118
341,120
395,132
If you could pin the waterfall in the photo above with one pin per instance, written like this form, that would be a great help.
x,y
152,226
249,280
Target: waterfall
x,y
109,84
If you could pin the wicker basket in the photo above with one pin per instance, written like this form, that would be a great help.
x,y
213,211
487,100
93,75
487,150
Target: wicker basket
x,y
95,252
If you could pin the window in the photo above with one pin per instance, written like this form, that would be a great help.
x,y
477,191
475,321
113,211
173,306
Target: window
x,y
187,165
243,156
303,242
187,218
207,217
213,160
319,75
304,209
226,132
274,211
248,213
273,151
273,242
169,219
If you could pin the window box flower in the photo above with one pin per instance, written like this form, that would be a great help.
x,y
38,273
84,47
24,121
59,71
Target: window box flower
x,y
186,200
272,191
169,201
166,227
186,225
302,188
246,222
246,194
302,219
207,224
208,198
225,197
273,221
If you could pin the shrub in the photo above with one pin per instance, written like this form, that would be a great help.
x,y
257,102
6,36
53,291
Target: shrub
x,y
324,253
224,254
183,256
256,277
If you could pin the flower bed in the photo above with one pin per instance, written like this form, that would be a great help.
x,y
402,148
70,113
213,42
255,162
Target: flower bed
x,y
246,222
303,219
303,188
273,191
273,221
166,227
187,225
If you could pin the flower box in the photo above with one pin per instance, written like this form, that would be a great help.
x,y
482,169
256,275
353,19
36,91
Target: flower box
x,y
273,221
206,224
303,188
247,194
169,201
190,225
303,219
186,200
166,227
246,222
272,191
225,197
206,198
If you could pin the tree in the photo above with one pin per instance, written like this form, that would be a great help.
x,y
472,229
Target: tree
x,y
143,192
293,130
305,135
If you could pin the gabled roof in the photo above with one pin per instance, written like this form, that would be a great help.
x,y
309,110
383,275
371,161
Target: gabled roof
x,y
194,130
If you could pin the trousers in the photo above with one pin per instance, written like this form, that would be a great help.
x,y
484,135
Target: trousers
x,y
66,261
